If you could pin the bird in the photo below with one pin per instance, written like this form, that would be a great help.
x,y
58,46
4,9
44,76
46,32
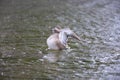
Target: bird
x,y
58,40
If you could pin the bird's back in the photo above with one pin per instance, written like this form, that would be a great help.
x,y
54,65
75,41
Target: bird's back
x,y
54,43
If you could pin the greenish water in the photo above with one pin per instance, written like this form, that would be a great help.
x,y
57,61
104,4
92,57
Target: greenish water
x,y
25,26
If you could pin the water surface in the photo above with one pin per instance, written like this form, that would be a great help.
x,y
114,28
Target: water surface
x,y
25,26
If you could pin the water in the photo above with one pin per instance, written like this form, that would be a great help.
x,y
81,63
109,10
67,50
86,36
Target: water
x,y
25,26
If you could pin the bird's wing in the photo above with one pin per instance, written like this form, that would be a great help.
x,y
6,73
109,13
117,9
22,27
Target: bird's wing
x,y
63,37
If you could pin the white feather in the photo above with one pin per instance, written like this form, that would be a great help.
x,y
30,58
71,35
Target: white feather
x,y
63,37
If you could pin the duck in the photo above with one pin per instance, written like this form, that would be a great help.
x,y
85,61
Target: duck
x,y
58,40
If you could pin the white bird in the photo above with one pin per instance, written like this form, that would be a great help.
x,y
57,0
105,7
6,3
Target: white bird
x,y
58,40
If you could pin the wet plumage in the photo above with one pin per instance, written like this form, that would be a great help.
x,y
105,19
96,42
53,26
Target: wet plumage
x,y
58,40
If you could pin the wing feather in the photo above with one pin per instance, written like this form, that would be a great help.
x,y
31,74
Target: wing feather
x,y
63,37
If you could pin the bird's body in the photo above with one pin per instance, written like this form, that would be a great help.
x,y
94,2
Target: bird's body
x,y
58,40
54,43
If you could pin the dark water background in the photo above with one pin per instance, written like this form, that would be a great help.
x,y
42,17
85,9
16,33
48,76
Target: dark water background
x,y
26,24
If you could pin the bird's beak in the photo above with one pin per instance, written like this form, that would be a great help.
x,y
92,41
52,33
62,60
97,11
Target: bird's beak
x,y
74,35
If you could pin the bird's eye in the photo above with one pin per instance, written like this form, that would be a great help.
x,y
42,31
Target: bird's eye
x,y
67,36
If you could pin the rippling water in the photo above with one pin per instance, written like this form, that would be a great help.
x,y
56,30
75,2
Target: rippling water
x,y
25,26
